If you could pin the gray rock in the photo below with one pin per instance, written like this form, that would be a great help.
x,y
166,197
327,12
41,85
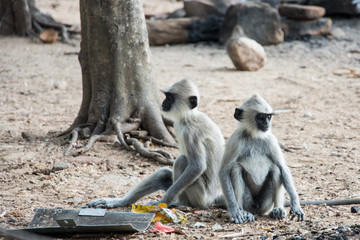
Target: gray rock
x,y
258,20
61,166
294,28
77,200
199,225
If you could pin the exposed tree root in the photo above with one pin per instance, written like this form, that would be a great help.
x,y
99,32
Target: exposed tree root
x,y
157,141
161,156
116,126
92,140
72,143
158,155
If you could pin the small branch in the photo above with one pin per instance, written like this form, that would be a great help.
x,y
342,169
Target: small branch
x,y
158,155
278,111
72,143
283,147
346,201
234,235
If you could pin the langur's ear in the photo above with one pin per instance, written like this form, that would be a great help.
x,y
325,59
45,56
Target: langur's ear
x,y
193,102
238,114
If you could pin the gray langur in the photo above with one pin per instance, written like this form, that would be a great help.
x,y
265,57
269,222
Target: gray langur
x,y
254,173
194,179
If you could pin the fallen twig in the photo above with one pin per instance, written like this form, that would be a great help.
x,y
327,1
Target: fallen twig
x,y
234,235
346,201
278,111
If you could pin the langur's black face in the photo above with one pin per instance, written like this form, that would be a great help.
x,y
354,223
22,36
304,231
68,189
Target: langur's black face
x,y
168,102
263,121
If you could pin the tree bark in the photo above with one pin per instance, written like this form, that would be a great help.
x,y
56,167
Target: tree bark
x,y
116,72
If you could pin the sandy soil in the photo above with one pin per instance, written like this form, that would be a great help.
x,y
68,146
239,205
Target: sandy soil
x,y
40,95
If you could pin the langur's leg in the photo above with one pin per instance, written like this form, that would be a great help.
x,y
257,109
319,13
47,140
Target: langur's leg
x,y
264,201
278,211
159,180
242,197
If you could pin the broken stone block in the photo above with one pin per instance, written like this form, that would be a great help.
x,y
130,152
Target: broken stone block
x,y
301,12
206,8
293,28
200,9
245,53
258,20
348,7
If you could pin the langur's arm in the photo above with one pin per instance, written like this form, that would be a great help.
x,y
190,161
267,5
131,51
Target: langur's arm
x,y
196,166
277,156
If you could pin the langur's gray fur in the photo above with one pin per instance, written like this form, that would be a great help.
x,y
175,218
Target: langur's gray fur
x,y
194,179
254,173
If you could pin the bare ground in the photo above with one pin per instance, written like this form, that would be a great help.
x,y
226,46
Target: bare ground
x,y
40,94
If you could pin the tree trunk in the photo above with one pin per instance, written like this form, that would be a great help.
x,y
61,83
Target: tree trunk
x,y
116,72
22,17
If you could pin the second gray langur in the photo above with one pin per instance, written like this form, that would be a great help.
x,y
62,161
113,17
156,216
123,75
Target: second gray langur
x,y
194,179
254,173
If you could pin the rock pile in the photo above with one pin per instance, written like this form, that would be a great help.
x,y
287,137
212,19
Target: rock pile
x,y
299,20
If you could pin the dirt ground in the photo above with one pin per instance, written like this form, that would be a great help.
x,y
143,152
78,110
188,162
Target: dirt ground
x,y
317,78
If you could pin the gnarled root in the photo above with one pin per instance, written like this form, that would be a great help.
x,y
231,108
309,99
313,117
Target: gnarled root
x,y
161,156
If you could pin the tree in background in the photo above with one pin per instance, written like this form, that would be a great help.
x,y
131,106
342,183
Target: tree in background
x,y
22,17
119,93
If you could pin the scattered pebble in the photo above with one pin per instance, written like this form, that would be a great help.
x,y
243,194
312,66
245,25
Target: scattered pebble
x,y
354,209
61,166
216,227
338,33
77,200
122,167
308,114
60,85
199,225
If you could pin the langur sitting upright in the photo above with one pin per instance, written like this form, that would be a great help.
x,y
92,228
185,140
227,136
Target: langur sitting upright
x,y
194,180
254,172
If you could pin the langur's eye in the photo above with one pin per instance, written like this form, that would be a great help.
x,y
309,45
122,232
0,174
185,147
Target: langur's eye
x,y
263,116
170,97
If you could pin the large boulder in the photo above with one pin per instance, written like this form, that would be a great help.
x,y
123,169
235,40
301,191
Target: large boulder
x,y
258,20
